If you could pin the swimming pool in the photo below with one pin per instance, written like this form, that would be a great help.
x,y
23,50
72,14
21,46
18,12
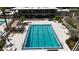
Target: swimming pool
x,y
41,37
2,21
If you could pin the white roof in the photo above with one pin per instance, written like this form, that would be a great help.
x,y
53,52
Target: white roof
x,y
34,8
12,12
64,10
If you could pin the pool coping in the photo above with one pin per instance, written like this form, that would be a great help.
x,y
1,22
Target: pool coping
x,y
31,48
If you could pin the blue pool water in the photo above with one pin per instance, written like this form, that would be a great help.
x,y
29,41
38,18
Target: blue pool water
x,y
2,21
41,36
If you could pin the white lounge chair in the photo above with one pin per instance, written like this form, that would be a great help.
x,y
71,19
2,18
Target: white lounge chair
x,y
8,44
11,49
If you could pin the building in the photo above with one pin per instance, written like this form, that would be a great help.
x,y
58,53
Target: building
x,y
36,12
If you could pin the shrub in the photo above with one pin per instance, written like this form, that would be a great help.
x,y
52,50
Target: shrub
x,y
67,41
76,38
1,49
71,41
2,43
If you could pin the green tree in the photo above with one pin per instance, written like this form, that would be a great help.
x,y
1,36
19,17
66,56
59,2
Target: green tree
x,y
22,18
58,18
4,15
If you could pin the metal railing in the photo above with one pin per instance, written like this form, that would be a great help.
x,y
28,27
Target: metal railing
x,y
76,47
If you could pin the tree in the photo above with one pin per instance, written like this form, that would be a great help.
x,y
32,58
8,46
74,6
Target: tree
x,y
58,18
22,18
4,15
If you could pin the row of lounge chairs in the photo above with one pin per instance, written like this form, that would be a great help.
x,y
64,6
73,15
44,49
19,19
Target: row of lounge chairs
x,y
7,42
9,46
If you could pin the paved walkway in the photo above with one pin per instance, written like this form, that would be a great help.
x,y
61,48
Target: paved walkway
x,y
14,23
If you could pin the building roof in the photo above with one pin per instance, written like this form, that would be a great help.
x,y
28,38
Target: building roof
x,y
67,10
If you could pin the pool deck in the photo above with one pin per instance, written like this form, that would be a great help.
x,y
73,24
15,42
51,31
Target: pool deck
x,y
60,30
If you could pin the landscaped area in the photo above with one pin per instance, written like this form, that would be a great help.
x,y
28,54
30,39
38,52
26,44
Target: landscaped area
x,y
70,22
73,28
71,42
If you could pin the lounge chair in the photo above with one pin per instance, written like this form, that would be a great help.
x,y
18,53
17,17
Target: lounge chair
x,y
9,44
18,29
9,38
11,49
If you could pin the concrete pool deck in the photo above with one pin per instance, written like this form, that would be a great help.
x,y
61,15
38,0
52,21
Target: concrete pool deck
x,y
60,30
